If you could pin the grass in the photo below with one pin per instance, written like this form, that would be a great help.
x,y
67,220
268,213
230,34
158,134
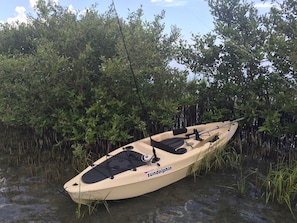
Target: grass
x,y
221,158
242,181
90,209
227,157
211,161
281,184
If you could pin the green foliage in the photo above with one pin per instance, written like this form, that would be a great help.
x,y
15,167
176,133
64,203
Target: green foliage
x,y
249,63
69,74
160,85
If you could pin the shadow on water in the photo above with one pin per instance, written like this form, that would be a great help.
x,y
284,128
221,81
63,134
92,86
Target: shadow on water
x,y
212,198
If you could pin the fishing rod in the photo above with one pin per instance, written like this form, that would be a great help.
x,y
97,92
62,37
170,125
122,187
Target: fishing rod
x,y
146,116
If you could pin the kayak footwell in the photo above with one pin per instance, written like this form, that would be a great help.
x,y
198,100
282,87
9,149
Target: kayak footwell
x,y
121,162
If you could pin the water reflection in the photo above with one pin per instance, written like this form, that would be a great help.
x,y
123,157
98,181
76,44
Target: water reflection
x,y
212,198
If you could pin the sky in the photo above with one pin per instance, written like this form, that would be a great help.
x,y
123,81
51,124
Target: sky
x,y
191,16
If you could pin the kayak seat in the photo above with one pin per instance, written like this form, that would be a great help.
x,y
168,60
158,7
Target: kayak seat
x,y
173,142
179,131
170,145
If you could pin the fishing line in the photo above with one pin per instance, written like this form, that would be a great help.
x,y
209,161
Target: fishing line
x,y
146,116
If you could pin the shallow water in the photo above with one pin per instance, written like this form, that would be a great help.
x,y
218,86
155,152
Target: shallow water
x,y
211,198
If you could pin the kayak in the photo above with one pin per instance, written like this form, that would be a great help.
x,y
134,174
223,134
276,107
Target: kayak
x,y
149,164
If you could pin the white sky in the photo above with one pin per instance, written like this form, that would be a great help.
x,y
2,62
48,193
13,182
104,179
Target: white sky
x,y
191,16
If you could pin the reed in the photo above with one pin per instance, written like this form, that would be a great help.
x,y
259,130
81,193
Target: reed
x,y
201,166
212,161
223,157
90,209
281,184
78,212
234,157
228,157
94,206
241,182
235,161
80,159
82,210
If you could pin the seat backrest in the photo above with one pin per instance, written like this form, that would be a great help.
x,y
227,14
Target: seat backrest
x,y
179,131
167,147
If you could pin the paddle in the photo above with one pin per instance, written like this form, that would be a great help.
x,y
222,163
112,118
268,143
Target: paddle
x,y
217,127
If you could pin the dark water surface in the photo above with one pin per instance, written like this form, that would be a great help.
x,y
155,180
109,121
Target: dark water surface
x,y
211,198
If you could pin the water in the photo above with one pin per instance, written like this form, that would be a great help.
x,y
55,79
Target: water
x,y
211,198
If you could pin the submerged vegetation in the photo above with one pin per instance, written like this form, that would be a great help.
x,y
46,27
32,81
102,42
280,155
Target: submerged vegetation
x,y
67,94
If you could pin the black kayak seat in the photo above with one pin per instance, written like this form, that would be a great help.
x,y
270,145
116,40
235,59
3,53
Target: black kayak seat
x,y
179,131
170,145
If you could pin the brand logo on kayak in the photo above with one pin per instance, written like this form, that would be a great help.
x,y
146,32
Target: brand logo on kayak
x,y
152,173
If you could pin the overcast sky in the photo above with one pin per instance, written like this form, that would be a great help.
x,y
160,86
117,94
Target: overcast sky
x,y
191,16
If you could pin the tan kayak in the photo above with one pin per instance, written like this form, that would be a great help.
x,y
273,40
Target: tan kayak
x,y
149,164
